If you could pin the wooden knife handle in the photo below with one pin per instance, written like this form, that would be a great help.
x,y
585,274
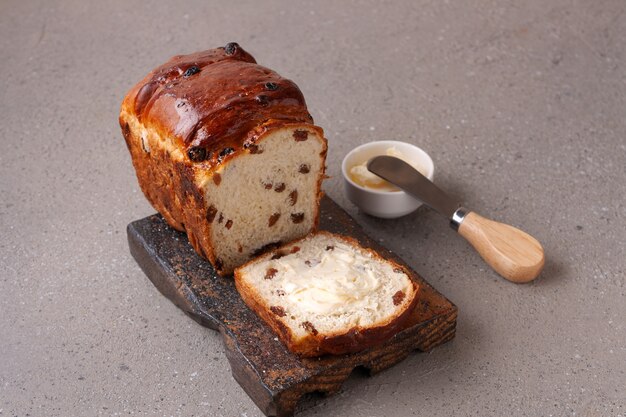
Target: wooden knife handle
x,y
512,253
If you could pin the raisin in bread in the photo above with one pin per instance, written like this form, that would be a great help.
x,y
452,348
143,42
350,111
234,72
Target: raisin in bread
x,y
226,151
327,294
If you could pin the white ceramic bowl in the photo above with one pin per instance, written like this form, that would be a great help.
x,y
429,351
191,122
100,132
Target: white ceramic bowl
x,y
384,204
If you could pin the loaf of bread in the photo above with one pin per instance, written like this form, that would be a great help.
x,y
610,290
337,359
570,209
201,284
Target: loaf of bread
x,y
327,294
226,151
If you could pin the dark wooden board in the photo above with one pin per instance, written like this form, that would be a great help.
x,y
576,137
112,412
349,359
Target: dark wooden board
x,y
274,378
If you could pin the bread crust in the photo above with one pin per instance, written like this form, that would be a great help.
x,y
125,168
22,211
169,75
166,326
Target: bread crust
x,y
215,106
203,122
353,340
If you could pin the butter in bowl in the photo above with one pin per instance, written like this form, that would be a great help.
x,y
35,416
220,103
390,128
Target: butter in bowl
x,y
372,194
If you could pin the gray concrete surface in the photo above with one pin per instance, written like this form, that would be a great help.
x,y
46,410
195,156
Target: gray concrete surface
x,y
521,104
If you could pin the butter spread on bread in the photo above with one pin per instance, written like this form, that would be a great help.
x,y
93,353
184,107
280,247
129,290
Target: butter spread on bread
x,y
327,294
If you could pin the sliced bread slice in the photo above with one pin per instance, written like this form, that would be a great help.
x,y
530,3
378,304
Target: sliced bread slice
x,y
327,294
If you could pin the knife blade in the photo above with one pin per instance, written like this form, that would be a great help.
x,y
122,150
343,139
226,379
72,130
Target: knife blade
x,y
410,180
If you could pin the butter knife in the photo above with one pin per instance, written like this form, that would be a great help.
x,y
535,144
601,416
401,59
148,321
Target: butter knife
x,y
512,253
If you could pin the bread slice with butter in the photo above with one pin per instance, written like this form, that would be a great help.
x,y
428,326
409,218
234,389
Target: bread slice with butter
x,y
326,294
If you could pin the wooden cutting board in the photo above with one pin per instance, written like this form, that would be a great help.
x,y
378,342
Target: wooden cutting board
x,y
274,378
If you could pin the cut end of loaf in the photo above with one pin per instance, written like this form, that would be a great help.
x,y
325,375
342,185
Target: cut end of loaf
x,y
267,195
327,294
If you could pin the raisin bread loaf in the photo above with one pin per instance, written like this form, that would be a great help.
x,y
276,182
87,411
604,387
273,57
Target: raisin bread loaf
x,y
327,294
226,151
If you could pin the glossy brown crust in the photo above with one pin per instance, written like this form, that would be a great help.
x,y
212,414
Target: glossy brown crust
x,y
170,187
353,340
208,101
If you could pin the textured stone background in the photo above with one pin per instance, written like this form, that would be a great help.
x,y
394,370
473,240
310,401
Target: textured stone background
x,y
521,104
